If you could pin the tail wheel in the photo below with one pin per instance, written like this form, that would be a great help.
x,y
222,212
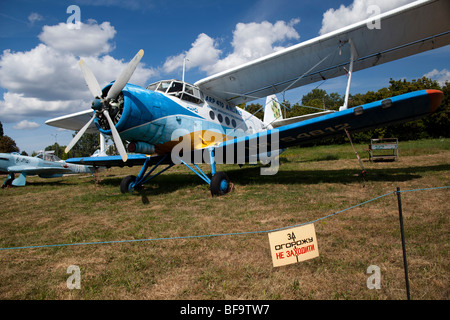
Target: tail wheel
x,y
125,184
220,184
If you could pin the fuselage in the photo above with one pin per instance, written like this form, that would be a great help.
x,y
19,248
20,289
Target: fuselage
x,y
153,119
41,165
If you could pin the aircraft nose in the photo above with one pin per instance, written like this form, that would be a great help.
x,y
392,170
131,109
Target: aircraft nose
x,y
97,104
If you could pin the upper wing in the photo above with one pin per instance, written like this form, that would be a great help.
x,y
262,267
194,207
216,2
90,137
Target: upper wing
x,y
411,29
74,121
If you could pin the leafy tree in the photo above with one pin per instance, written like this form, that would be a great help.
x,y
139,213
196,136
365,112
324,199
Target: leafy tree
x,y
319,99
7,145
86,146
59,150
256,109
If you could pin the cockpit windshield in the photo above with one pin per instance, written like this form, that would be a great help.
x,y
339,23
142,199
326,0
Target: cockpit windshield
x,y
48,157
179,89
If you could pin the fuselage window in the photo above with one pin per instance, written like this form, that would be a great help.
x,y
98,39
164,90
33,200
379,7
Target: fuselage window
x,y
212,115
227,121
220,118
233,123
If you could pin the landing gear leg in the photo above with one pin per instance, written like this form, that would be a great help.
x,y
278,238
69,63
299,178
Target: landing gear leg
x,y
219,183
8,181
130,183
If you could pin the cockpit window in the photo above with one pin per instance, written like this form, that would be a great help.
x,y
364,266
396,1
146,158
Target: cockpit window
x,y
179,89
175,87
153,86
163,86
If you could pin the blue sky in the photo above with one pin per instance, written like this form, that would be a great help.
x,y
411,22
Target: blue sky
x,y
40,78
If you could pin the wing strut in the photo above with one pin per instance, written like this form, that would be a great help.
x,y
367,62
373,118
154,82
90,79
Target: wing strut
x,y
353,57
307,72
363,173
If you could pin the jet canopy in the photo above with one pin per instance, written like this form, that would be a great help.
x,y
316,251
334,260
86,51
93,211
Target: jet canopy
x,y
179,89
48,156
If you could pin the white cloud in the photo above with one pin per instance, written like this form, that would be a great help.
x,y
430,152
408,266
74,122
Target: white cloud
x,y
334,19
90,39
46,81
203,53
15,107
25,124
250,41
42,73
441,76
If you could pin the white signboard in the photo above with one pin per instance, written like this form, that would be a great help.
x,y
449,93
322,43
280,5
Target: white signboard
x,y
293,245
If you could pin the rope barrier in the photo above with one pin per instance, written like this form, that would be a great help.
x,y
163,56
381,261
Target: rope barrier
x,y
218,234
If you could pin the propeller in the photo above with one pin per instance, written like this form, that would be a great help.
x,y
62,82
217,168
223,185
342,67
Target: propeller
x,y
101,105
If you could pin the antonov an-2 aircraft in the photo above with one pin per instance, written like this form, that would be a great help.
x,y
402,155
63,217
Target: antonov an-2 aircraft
x,y
172,122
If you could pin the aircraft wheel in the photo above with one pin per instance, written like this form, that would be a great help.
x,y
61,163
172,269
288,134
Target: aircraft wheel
x,y
125,184
220,184
8,183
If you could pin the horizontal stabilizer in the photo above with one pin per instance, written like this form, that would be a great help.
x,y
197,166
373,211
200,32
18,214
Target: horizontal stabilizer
x,y
74,121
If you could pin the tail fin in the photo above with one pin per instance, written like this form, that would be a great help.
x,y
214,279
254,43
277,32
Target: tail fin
x,y
272,110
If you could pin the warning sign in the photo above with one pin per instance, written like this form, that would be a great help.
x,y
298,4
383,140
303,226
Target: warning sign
x,y
293,245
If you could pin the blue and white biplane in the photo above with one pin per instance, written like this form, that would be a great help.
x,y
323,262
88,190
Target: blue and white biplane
x,y
45,164
173,122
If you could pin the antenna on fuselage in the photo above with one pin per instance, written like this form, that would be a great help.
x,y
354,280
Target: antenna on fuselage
x,y
184,67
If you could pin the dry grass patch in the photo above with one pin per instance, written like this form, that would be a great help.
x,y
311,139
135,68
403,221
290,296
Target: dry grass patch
x,y
74,210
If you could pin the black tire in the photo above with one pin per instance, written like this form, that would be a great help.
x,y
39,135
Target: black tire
x,y
8,183
220,184
125,184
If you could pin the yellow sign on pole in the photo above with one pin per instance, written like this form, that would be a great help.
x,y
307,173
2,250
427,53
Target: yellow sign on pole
x,y
293,245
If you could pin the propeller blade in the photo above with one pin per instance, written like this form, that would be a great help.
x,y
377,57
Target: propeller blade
x,y
116,137
90,79
125,76
78,135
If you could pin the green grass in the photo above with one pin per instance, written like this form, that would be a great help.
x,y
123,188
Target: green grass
x,y
311,183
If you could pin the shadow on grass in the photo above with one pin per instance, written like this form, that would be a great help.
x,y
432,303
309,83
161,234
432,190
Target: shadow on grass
x,y
171,182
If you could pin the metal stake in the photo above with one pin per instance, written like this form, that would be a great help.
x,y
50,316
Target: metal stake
x,y
399,198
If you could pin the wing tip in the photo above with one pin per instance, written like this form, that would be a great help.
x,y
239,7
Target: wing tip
x,y
436,97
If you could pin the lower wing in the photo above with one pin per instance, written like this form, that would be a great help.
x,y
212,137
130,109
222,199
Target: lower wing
x,y
398,109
